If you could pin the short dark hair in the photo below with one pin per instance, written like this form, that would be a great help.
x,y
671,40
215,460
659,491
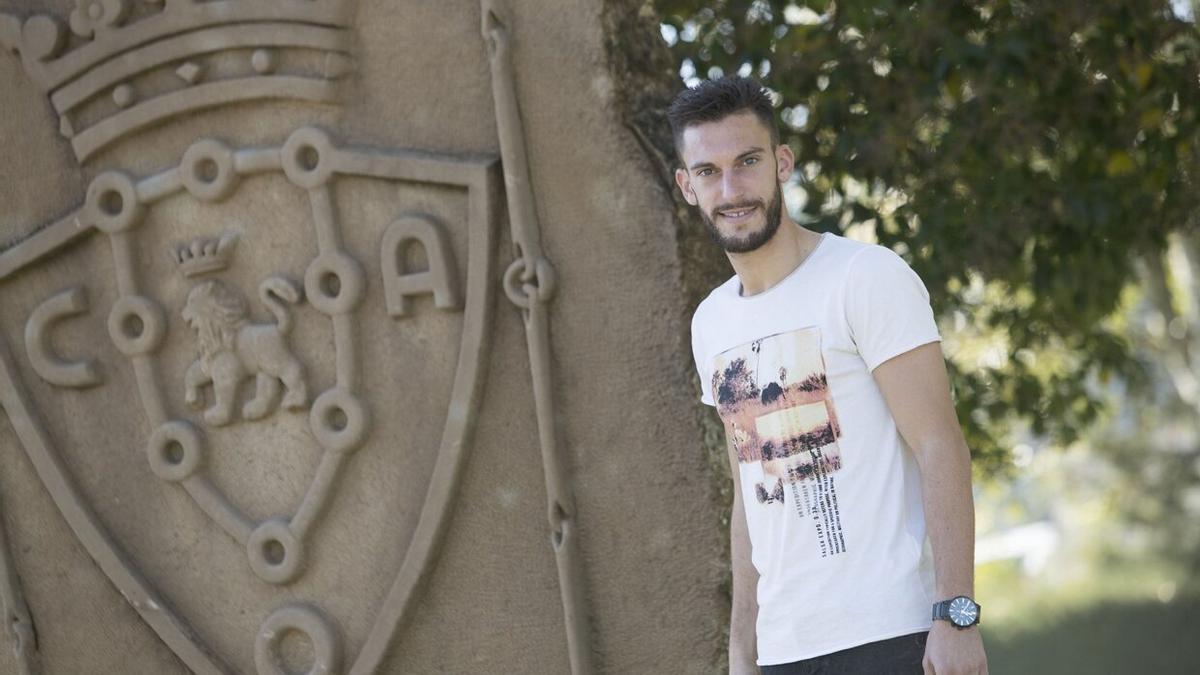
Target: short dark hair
x,y
714,100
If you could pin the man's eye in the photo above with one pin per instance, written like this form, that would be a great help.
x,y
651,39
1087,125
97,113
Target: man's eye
x,y
704,172
750,161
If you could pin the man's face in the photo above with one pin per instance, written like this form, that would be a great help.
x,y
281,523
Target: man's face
x,y
732,174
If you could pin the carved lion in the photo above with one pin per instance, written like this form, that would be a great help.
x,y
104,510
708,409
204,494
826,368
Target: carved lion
x,y
232,348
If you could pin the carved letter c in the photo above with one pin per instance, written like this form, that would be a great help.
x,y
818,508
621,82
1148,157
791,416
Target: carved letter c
x,y
37,341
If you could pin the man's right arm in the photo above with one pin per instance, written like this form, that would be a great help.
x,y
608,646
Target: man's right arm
x,y
743,650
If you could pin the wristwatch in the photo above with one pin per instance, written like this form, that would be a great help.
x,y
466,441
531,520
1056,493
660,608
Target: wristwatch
x,y
961,611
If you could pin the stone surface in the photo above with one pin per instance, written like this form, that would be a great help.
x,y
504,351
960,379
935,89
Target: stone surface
x,y
415,77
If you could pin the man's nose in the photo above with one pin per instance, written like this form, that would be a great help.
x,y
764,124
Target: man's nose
x,y
732,186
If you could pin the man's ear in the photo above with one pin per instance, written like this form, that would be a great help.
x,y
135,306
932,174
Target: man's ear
x,y
685,186
785,161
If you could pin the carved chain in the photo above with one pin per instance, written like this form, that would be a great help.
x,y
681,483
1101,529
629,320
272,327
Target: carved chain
x,y
529,283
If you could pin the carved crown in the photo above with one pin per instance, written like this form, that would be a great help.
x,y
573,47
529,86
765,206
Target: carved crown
x,y
205,254
116,66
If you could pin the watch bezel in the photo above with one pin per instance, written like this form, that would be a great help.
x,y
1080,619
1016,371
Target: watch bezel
x,y
958,607
941,611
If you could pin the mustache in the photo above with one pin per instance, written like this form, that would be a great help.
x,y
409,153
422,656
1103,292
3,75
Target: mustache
x,y
743,205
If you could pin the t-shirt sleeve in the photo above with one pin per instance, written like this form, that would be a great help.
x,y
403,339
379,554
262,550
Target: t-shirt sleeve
x,y
702,362
887,306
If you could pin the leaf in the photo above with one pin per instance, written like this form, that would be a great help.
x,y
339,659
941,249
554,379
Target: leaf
x,y
1119,164
1142,75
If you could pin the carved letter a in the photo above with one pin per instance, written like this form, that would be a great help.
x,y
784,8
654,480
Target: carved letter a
x,y
440,279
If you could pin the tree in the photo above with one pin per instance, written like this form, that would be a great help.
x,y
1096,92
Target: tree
x,y
1028,159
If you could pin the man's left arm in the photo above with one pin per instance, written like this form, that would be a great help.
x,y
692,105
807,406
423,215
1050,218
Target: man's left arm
x,y
917,391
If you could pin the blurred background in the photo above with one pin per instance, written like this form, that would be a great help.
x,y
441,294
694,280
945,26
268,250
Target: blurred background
x,y
1036,163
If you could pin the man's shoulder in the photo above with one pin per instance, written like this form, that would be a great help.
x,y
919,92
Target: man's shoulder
x,y
869,259
712,302
852,249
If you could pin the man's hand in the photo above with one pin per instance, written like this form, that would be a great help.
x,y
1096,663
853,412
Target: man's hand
x,y
950,651
742,666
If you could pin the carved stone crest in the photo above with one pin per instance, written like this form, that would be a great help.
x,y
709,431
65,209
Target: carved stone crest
x,y
212,369
373,269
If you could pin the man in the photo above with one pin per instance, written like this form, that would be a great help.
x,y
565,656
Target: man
x,y
823,359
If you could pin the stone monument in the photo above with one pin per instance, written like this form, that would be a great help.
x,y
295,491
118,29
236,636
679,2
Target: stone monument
x,y
342,336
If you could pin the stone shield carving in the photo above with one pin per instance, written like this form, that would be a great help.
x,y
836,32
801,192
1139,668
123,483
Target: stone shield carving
x,y
268,322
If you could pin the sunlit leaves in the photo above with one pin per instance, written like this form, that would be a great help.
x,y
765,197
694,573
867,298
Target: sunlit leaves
x,y
1038,146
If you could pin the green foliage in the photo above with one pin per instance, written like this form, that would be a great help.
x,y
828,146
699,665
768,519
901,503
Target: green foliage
x,y
1040,147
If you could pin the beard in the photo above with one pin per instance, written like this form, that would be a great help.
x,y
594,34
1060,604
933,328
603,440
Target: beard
x,y
753,240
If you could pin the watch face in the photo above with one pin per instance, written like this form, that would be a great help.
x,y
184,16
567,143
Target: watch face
x,y
963,611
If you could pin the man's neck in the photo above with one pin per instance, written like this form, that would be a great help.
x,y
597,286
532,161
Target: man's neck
x,y
767,265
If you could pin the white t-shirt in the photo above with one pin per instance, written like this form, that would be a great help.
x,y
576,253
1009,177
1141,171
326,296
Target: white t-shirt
x,y
832,492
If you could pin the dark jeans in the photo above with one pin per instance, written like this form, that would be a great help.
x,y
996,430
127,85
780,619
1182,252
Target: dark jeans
x,y
895,655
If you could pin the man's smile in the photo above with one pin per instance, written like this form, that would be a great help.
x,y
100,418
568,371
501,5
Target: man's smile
x,y
737,215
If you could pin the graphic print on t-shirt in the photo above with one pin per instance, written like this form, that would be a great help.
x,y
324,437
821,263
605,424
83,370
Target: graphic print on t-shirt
x,y
773,398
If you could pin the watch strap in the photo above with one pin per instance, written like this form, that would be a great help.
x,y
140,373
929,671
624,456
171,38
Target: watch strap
x,y
941,610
